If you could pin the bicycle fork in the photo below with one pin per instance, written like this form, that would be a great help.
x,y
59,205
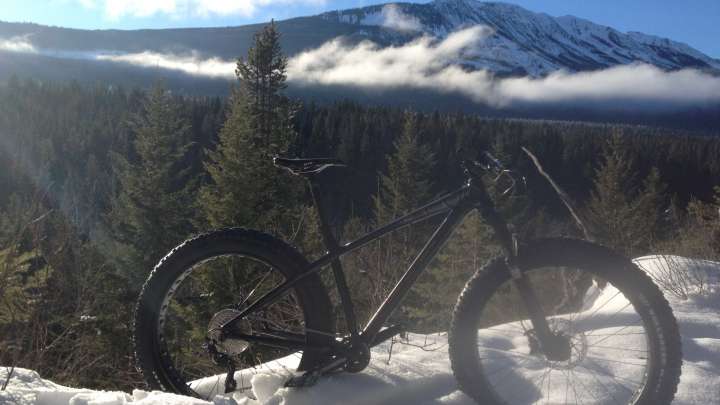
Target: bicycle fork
x,y
555,347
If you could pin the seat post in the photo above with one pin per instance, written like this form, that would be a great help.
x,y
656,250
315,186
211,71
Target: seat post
x,y
328,237
331,244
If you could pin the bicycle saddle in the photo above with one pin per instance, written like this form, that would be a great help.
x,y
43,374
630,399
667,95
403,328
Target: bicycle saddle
x,y
306,166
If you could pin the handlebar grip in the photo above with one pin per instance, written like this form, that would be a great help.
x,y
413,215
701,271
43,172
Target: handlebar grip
x,y
494,162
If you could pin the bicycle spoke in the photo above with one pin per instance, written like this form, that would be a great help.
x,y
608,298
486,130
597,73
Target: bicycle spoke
x,y
619,348
504,352
620,334
548,384
616,361
604,386
607,342
510,364
255,288
577,400
599,308
615,378
212,288
609,336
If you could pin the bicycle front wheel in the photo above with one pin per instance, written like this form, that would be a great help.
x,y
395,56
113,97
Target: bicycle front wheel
x,y
204,283
623,344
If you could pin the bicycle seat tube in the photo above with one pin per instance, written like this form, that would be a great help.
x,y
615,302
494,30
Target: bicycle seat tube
x,y
332,246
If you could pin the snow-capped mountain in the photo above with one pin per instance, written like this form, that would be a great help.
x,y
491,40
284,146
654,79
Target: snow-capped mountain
x,y
524,42
521,43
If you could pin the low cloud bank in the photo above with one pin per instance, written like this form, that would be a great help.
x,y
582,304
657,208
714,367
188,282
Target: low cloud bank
x,y
431,63
17,44
393,18
637,82
422,63
191,64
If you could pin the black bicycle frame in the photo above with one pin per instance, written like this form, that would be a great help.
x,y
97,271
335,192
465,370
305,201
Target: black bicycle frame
x,y
454,206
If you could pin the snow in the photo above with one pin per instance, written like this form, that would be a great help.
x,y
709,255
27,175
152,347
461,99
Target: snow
x,y
419,371
524,41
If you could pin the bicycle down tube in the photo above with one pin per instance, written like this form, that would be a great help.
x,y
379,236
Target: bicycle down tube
x,y
443,205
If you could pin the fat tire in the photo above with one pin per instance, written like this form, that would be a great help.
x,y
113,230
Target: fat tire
x,y
664,374
312,296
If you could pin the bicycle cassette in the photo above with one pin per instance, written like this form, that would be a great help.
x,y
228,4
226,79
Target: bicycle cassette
x,y
227,345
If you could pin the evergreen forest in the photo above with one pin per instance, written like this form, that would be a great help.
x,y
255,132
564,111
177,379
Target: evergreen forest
x,y
98,183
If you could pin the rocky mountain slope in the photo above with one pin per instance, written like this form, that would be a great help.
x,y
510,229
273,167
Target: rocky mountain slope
x,y
524,42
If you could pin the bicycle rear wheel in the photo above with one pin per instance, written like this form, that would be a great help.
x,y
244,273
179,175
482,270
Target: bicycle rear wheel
x,y
202,284
623,341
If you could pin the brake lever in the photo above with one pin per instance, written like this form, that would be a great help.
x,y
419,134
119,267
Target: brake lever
x,y
493,162
494,166
514,179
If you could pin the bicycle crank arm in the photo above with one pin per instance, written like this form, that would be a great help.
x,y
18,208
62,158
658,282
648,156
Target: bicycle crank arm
x,y
386,334
310,377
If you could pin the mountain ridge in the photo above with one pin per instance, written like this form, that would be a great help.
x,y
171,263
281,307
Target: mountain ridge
x,y
536,44
523,43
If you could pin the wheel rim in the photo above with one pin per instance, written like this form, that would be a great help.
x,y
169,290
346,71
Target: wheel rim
x,y
609,339
189,310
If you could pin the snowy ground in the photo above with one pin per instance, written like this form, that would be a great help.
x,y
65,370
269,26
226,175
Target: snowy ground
x,y
419,372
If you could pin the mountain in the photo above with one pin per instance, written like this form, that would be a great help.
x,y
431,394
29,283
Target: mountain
x,y
519,43
528,43
522,42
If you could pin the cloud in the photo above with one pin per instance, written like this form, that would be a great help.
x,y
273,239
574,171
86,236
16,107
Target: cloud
x,y
87,3
116,9
637,82
417,64
17,44
190,64
430,63
394,18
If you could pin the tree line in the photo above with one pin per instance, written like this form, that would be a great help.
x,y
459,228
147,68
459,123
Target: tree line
x,y
99,182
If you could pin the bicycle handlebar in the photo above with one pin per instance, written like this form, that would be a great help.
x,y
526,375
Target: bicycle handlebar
x,y
492,164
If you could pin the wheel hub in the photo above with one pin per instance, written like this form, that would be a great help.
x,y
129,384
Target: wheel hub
x,y
559,349
223,344
567,347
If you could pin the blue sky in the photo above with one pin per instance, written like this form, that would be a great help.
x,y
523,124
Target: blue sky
x,y
695,22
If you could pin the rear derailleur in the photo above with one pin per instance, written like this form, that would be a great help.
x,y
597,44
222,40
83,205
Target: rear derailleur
x,y
223,360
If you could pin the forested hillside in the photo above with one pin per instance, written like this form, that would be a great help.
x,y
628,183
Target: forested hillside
x,y
99,182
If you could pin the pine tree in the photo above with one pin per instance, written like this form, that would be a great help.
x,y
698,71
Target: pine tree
x,y
699,235
406,185
263,76
626,218
408,181
469,248
245,188
153,209
610,209
650,207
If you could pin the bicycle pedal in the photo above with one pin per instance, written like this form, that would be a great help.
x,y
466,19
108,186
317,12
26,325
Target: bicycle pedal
x,y
304,380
